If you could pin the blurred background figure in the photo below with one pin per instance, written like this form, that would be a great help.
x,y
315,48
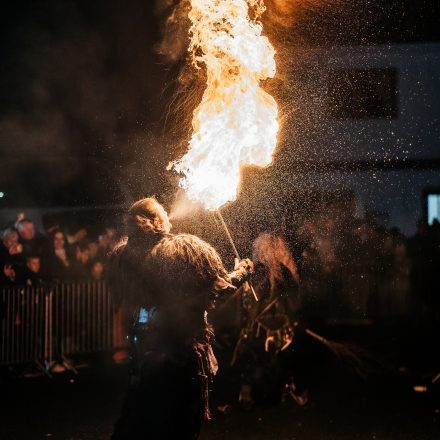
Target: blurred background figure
x,y
31,240
262,351
11,250
97,271
32,275
11,256
82,266
58,258
107,243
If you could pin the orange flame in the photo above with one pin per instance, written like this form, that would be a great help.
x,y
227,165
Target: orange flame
x,y
236,121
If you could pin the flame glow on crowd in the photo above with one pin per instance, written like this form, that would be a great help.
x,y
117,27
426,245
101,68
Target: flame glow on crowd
x,y
236,121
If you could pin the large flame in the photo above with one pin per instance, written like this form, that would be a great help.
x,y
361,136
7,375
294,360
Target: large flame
x,y
236,121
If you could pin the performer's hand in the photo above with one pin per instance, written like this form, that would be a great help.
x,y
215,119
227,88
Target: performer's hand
x,y
246,264
242,271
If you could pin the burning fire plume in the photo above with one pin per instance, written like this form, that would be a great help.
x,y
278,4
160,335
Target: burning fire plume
x,y
236,121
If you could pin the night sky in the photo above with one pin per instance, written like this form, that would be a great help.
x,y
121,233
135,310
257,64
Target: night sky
x,y
86,113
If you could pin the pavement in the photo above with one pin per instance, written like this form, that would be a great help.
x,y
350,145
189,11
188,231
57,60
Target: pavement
x,y
341,406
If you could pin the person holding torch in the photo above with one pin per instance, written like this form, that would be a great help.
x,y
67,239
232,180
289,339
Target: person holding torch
x,y
174,280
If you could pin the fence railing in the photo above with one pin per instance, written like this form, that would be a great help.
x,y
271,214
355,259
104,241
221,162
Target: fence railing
x,y
41,324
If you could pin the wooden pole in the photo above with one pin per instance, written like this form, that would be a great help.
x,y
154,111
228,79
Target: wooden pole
x,y
234,248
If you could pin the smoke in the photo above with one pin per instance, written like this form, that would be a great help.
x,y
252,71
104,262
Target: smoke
x,y
173,15
187,89
182,207
280,15
279,19
285,22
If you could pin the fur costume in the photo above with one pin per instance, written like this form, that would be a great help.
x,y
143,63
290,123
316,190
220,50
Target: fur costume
x,y
178,278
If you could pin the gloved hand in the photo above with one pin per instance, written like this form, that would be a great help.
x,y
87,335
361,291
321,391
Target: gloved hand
x,y
245,264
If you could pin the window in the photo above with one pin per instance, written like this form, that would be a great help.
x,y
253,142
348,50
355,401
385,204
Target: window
x,y
433,205
363,94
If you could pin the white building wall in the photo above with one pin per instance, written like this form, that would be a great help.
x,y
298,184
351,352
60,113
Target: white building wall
x,y
415,133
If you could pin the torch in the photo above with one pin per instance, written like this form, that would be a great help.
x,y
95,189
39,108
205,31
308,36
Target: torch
x,y
234,248
236,121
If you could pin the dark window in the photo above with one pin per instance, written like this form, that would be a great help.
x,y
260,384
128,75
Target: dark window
x,y
363,93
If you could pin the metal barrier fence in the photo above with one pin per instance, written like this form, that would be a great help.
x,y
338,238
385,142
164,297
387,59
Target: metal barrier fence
x,y
41,324
44,324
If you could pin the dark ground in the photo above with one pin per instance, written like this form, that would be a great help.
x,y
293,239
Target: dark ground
x,y
341,406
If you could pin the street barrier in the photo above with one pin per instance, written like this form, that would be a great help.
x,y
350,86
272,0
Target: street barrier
x,y
42,324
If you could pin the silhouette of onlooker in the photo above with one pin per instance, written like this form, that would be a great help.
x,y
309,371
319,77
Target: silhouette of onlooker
x,y
32,275
31,240
11,256
97,270
82,261
58,260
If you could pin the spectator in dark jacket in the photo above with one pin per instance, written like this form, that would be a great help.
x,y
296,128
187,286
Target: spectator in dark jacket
x,y
31,240
97,271
11,256
32,275
58,260
82,263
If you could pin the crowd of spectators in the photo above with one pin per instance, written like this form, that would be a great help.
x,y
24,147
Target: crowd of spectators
x,y
351,265
360,266
30,258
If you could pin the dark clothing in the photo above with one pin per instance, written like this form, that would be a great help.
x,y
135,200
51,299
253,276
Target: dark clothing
x,y
29,278
164,400
173,363
17,260
54,269
127,273
4,254
5,281
80,272
35,246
